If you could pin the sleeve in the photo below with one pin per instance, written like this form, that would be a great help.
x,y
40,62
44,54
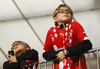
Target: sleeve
x,y
80,33
84,43
28,55
48,52
80,48
8,65
48,41
48,55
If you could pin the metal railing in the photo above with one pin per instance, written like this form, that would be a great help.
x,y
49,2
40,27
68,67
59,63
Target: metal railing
x,y
97,54
3,52
88,60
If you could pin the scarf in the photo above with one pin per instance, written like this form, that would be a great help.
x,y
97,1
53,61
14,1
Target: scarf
x,y
63,37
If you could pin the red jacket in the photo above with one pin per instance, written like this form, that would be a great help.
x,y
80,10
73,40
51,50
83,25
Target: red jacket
x,y
79,35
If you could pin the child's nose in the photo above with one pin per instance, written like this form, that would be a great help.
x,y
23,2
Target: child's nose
x,y
16,47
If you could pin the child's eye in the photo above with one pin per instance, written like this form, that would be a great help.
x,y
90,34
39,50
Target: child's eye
x,y
69,12
66,10
60,11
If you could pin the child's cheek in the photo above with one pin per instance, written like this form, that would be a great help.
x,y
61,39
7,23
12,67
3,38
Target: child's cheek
x,y
60,17
22,47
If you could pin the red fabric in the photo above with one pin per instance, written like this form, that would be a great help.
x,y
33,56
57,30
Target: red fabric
x,y
56,43
31,67
64,36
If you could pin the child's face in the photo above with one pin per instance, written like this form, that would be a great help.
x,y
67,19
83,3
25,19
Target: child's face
x,y
63,15
19,49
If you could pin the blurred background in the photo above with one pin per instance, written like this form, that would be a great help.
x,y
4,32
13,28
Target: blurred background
x,y
29,21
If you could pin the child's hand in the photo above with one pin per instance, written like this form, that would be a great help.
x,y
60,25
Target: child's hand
x,y
27,48
60,56
12,58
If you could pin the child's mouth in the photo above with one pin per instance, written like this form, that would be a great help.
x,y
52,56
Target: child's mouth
x,y
66,15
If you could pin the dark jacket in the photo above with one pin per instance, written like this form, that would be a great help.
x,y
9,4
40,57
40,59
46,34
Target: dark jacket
x,y
28,55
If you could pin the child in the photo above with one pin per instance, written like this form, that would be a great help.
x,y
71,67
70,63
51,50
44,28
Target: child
x,y
22,53
66,41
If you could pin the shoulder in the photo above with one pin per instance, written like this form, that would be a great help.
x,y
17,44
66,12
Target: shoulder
x,y
75,23
51,30
32,51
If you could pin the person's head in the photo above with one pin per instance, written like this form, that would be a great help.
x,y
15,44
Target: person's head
x,y
63,14
19,46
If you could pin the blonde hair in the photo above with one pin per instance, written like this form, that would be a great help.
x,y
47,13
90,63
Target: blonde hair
x,y
62,5
16,43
